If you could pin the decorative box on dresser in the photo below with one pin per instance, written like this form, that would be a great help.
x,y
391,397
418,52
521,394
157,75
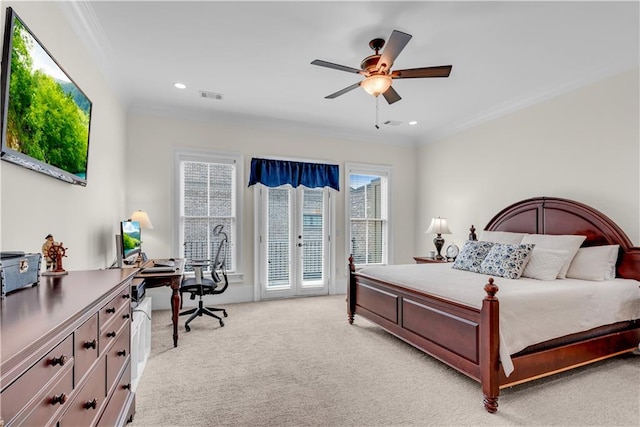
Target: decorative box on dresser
x,y
65,351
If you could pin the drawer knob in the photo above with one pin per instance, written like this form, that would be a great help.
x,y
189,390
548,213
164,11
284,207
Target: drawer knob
x,y
92,404
59,361
126,296
110,310
61,399
91,344
111,334
126,316
122,353
126,386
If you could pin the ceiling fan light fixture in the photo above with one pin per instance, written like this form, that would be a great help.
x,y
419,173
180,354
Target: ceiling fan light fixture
x,y
376,84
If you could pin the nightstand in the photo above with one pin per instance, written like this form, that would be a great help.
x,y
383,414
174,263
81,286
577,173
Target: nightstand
x,y
427,260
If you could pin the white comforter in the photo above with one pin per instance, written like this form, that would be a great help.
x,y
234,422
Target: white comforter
x,y
531,311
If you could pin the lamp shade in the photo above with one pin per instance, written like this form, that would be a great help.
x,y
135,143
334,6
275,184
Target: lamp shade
x,y
142,218
376,84
438,226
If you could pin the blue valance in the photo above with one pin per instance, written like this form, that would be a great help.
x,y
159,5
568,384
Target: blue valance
x,y
274,173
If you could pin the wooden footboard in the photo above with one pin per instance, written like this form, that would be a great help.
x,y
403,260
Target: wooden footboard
x,y
467,338
463,337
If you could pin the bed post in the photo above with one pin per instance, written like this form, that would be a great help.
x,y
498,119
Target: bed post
x,y
351,291
489,348
472,233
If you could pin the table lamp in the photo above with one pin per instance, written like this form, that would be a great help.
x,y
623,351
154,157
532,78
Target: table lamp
x,y
142,218
145,222
439,227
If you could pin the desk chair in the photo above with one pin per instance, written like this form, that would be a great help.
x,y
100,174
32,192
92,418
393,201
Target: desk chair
x,y
201,286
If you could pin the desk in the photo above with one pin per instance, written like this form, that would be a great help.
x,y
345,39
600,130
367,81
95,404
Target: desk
x,y
173,280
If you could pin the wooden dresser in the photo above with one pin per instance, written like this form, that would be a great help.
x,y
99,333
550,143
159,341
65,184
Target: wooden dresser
x,y
64,351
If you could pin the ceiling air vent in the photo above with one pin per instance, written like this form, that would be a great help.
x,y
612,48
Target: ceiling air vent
x,y
211,95
392,123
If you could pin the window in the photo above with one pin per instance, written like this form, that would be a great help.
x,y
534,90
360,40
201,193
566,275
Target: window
x,y
209,196
368,213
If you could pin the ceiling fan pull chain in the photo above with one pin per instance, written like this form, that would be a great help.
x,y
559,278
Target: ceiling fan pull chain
x,y
377,121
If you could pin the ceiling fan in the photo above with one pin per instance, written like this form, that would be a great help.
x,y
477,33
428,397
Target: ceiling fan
x,y
377,68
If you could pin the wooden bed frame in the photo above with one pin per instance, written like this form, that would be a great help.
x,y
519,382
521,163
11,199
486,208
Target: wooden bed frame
x,y
467,338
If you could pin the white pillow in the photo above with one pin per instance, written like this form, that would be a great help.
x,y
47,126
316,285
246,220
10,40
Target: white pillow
x,y
505,237
569,243
594,263
545,264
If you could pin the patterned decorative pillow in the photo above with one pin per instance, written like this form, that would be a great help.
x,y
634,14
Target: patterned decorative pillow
x,y
507,260
471,255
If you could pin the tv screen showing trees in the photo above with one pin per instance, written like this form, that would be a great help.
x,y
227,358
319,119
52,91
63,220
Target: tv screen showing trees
x,y
46,116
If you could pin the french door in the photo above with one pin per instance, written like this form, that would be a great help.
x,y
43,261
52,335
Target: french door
x,y
294,241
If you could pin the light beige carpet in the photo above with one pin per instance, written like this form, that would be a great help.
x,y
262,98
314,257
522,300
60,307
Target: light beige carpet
x,y
298,362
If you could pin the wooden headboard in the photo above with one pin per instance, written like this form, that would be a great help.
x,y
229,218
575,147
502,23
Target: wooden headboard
x,y
551,215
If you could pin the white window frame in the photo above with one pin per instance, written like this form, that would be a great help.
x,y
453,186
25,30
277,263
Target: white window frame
x,y
383,171
206,156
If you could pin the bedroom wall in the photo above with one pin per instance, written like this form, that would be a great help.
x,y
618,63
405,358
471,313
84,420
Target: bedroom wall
x,y
583,145
34,205
150,150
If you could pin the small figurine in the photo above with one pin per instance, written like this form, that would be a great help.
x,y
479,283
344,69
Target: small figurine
x,y
53,253
45,251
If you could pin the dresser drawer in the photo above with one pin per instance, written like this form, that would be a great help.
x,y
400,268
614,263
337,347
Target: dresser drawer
x,y
109,334
118,355
51,402
109,312
18,394
87,405
86,347
115,406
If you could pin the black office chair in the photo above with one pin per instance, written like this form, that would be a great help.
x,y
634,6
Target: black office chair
x,y
200,286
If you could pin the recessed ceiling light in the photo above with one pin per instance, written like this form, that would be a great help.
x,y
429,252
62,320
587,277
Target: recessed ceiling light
x,y
413,122
180,85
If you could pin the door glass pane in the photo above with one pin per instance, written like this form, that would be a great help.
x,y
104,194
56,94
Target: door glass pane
x,y
279,266
312,235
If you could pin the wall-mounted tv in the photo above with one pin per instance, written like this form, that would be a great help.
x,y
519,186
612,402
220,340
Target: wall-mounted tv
x,y
45,115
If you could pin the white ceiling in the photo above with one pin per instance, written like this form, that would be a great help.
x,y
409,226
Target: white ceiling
x,y
505,56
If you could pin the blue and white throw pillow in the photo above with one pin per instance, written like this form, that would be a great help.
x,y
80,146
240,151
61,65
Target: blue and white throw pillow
x,y
471,255
507,261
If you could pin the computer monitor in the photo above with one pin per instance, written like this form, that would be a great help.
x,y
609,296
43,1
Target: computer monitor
x,y
129,242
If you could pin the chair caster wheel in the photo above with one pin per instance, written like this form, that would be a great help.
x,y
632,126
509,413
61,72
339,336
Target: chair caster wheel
x,y
187,328
224,313
221,323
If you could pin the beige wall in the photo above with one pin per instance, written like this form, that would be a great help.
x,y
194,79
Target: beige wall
x,y
152,141
33,204
582,145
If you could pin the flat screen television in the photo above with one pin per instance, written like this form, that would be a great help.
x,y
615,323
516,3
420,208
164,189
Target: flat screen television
x,y
45,116
130,235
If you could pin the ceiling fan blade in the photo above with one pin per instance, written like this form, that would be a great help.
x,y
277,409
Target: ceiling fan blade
x,y
343,91
391,95
397,41
416,73
335,66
